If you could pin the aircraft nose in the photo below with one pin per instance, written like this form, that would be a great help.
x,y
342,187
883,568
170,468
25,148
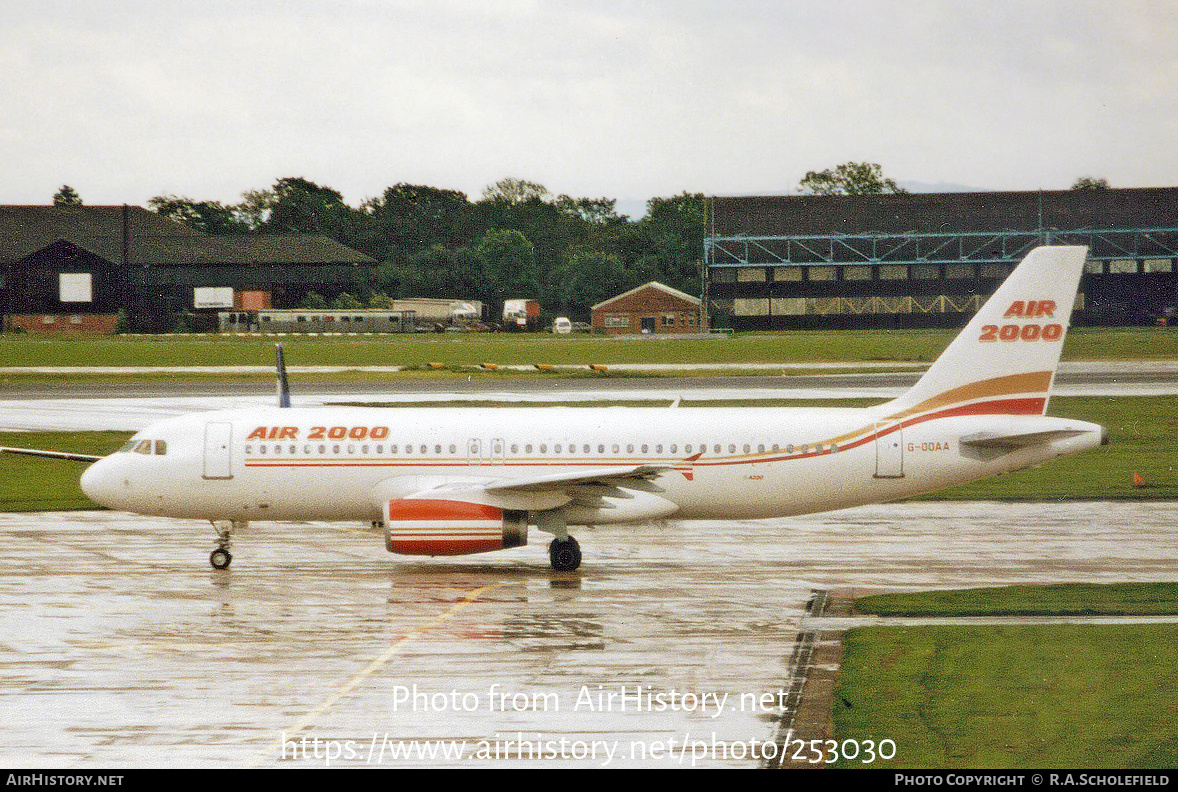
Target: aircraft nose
x,y
99,483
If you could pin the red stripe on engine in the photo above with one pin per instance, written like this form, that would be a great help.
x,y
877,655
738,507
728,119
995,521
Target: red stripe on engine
x,y
441,547
424,509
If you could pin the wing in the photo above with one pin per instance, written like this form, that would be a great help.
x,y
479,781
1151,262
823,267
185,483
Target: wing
x,y
589,487
50,454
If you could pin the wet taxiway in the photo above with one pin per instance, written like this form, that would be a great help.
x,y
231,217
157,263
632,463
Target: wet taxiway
x,y
73,405
669,647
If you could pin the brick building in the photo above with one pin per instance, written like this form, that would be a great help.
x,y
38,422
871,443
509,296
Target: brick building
x,y
650,309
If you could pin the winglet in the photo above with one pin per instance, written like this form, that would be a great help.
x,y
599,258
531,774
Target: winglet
x,y
283,385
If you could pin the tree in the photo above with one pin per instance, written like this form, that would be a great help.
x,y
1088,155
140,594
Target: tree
x,y
301,206
66,196
595,211
212,217
346,302
850,178
511,264
669,241
254,209
411,217
439,272
589,278
515,191
314,301
1090,183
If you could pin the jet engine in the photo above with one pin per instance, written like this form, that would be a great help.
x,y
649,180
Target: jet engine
x,y
417,526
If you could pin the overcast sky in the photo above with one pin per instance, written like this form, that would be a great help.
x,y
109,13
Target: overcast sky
x,y
127,100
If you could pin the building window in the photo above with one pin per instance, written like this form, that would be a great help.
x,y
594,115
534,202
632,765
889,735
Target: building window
x,y
857,273
617,320
893,272
925,272
787,274
750,275
1159,265
959,271
751,306
1122,267
723,275
788,306
75,287
668,320
820,273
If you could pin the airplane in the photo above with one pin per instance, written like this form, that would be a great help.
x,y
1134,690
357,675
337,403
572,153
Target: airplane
x,y
453,481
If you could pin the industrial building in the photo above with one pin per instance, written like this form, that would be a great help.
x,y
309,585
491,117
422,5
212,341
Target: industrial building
x,y
80,268
930,259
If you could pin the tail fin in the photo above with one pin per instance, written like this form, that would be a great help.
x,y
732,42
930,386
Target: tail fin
x,y
1004,360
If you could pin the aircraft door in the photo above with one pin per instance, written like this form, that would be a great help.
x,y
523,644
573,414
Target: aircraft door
x,y
889,451
218,450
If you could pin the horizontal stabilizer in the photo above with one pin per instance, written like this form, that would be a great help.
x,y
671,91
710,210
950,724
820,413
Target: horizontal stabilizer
x,y
1018,439
50,454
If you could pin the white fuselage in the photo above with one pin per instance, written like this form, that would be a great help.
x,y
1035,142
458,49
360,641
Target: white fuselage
x,y
342,463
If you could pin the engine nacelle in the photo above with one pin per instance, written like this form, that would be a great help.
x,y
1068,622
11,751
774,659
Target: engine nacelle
x,y
444,527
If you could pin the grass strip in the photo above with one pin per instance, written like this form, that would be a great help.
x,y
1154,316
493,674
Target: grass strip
x,y
1013,697
1132,343
41,484
1064,599
1036,696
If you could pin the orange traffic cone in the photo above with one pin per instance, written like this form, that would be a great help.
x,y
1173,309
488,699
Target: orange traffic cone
x,y
1138,481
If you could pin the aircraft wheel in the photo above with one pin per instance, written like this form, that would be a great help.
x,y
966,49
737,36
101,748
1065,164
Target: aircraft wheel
x,y
220,558
564,555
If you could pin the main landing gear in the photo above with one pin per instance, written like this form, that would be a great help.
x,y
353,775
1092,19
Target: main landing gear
x,y
221,557
564,554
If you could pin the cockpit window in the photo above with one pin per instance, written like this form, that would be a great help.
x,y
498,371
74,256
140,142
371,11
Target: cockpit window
x,y
161,447
143,447
129,445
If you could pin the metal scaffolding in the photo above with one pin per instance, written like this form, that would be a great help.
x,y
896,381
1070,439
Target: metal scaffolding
x,y
987,247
